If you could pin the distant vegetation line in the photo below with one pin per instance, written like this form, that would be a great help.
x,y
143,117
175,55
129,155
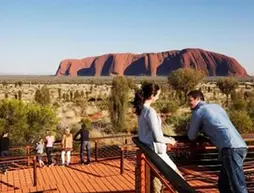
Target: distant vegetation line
x,y
50,79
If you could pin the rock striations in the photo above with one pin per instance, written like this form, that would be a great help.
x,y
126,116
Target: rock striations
x,y
152,64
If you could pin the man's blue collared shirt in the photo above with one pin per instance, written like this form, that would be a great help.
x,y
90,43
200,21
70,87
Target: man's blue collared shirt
x,y
213,121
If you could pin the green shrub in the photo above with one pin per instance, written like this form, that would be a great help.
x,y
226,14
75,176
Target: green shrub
x,y
242,121
170,107
25,123
179,123
42,96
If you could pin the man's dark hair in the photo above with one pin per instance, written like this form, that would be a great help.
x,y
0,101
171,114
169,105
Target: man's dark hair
x,y
196,94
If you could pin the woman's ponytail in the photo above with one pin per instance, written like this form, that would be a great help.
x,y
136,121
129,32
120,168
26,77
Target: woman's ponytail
x,y
138,102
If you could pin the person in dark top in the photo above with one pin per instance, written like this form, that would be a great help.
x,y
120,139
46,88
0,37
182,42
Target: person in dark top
x,y
4,149
84,143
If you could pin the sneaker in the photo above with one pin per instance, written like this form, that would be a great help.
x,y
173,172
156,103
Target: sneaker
x,y
51,164
62,165
5,173
88,162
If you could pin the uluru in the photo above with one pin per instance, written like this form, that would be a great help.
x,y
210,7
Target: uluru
x,y
152,64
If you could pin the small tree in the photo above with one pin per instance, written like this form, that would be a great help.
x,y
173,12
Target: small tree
x,y
19,94
227,86
118,102
185,79
42,96
71,95
59,93
82,93
76,94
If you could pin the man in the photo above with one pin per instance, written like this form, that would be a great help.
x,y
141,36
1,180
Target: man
x,y
4,149
84,140
213,121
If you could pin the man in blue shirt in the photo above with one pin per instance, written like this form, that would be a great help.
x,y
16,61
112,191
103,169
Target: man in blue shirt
x,y
213,121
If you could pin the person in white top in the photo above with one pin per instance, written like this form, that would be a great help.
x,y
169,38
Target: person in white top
x,y
149,123
49,141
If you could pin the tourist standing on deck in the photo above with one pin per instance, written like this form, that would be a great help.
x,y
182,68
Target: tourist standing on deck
x,y
39,148
149,124
4,149
213,121
67,142
49,141
84,143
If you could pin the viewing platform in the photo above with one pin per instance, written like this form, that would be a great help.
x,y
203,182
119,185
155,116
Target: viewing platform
x,y
124,167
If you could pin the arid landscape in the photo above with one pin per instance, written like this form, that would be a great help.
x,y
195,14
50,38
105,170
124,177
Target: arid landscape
x,y
73,99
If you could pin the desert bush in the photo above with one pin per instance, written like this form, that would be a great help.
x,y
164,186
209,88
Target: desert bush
x,y
118,102
227,86
71,95
238,101
59,93
242,121
185,79
42,96
82,104
76,94
179,122
87,122
19,94
25,122
170,107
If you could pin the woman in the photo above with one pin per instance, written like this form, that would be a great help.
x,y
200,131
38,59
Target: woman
x,y
67,142
4,149
149,123
50,139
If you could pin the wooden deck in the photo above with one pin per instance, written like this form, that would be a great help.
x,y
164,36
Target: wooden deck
x,y
100,177
103,176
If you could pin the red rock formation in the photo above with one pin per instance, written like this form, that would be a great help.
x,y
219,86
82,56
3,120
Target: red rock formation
x,y
160,64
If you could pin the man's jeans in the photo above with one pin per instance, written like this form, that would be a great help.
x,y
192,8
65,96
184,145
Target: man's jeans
x,y
232,179
4,154
85,144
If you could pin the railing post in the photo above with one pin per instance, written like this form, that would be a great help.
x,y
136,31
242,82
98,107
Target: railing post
x,y
122,161
140,173
34,172
96,150
27,154
148,179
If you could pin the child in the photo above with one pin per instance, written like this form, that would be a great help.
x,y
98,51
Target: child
x,y
67,141
39,149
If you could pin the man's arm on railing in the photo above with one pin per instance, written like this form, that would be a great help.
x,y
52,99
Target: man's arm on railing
x,y
194,126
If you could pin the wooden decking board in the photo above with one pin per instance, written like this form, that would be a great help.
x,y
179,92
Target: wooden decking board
x,y
102,176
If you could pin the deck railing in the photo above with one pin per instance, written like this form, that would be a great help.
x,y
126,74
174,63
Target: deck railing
x,y
150,166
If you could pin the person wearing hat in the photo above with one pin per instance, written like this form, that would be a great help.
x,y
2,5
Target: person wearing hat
x,y
84,142
67,144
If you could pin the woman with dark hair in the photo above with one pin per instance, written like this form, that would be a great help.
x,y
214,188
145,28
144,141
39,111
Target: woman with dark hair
x,y
149,123
4,148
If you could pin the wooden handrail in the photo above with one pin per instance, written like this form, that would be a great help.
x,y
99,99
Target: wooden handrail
x,y
173,178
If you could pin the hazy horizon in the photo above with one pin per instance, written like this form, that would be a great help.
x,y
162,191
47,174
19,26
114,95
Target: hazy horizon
x,y
37,35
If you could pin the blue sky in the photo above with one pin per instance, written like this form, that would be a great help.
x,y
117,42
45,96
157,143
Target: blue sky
x,y
36,35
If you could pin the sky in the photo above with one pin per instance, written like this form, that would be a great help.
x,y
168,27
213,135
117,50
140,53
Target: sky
x,y
36,35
